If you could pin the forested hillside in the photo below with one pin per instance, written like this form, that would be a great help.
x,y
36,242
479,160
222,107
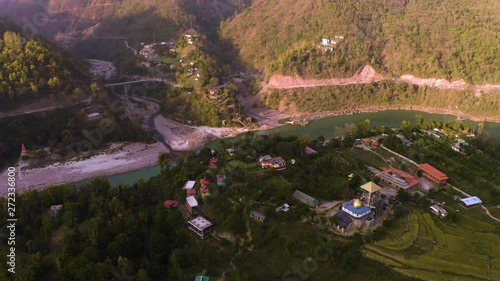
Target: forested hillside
x,y
30,68
385,93
452,39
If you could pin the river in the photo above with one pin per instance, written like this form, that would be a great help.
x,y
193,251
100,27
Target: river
x,y
326,127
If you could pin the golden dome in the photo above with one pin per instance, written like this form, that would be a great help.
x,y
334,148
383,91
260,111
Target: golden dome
x,y
356,203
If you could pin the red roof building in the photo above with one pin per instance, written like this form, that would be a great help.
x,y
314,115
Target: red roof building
x,y
398,179
170,204
204,182
433,174
23,149
204,190
191,191
309,150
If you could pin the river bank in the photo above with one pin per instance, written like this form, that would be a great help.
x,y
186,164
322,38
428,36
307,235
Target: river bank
x,y
126,157
118,158
304,118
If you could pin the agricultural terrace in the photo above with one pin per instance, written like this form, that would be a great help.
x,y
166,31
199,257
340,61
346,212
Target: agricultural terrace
x,y
423,246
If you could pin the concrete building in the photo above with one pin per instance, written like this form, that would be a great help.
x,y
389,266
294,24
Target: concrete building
x,y
200,226
433,174
352,215
277,162
398,179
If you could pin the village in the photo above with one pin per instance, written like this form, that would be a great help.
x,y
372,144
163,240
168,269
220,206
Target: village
x,y
344,186
374,201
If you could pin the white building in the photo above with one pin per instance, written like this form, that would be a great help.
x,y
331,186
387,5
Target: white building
x,y
200,226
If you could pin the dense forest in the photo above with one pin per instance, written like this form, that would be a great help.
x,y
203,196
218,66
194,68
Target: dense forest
x,y
385,93
30,68
440,39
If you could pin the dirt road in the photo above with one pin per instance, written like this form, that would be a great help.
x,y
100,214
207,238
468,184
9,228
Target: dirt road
x,y
368,75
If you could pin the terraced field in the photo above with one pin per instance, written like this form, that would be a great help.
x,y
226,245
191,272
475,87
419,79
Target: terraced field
x,y
432,249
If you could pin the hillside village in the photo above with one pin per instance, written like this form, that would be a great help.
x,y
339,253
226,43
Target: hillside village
x,y
379,196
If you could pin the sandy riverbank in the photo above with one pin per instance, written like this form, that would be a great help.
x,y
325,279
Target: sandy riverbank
x,y
119,158
183,137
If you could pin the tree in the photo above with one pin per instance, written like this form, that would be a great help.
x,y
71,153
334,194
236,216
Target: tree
x,y
402,195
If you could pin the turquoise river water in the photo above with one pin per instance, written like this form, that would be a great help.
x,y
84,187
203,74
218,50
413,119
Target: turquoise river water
x,y
327,127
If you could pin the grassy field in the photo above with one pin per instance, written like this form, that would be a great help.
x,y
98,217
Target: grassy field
x,y
436,250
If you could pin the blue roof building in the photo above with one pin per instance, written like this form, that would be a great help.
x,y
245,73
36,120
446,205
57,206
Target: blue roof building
x,y
356,209
470,202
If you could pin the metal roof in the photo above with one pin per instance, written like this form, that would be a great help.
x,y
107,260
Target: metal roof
x,y
189,184
306,199
471,201
343,219
370,187
191,200
433,171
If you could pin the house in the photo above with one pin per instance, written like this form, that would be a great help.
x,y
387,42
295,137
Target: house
x,y
213,163
191,204
204,182
306,199
285,208
470,202
189,185
257,215
398,179
55,210
374,143
309,151
191,191
205,192
433,174
231,151
170,204
221,180
23,149
439,211
200,226
189,38
277,162
201,278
